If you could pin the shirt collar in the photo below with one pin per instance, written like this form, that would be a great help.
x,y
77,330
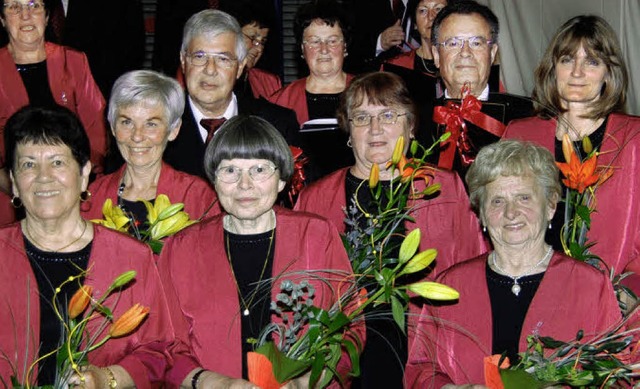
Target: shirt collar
x,y
231,111
484,96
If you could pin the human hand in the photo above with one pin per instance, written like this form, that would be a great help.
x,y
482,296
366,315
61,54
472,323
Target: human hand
x,y
90,377
302,382
211,380
392,36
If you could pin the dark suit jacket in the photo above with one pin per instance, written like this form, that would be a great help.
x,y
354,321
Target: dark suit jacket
x,y
186,152
501,106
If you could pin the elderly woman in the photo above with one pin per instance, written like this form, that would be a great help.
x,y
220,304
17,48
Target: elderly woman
x,y
49,154
580,90
230,257
323,33
43,74
375,110
520,288
145,111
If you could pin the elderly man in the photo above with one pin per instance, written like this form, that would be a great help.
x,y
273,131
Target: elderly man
x,y
212,58
464,41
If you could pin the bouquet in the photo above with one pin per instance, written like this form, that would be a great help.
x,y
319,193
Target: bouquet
x,y
163,219
77,340
311,339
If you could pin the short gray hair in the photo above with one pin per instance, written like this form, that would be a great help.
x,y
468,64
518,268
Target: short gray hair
x,y
213,23
147,87
513,158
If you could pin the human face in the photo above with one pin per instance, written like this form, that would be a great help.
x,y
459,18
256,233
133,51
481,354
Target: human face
x,y
426,11
580,78
516,212
48,180
248,200
374,143
27,27
255,38
142,132
210,86
323,61
459,66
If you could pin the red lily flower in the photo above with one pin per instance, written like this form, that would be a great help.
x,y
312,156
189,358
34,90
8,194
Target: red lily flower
x,y
579,175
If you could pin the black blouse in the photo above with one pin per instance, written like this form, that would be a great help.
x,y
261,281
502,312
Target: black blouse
x,y
36,82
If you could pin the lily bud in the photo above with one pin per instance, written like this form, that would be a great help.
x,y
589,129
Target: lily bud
x,y
567,147
431,189
398,151
434,291
123,279
409,246
587,146
129,321
414,147
80,301
420,261
374,175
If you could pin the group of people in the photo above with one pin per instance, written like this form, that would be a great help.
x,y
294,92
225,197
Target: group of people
x,y
212,141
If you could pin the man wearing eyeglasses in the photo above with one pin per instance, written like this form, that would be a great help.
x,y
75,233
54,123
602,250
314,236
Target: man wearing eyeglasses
x,y
464,45
212,57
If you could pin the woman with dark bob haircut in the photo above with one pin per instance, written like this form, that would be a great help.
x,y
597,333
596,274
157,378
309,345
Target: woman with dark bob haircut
x,y
520,288
235,258
48,151
375,110
580,90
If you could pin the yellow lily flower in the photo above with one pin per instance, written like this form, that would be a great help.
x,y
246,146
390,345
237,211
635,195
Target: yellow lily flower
x,y
114,218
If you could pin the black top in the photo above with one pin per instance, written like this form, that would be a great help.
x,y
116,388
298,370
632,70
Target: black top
x,y
134,210
36,82
553,235
425,65
248,254
51,269
508,310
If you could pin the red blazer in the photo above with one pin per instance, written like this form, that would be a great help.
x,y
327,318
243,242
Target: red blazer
x,y
454,339
143,354
7,212
405,59
263,83
616,224
293,97
200,200
72,86
446,222
204,301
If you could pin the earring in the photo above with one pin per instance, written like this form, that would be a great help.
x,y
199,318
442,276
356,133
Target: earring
x,y
484,228
349,145
85,195
16,202
346,54
549,225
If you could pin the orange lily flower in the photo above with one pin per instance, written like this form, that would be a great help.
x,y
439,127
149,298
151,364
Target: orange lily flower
x,y
129,321
579,175
80,301
407,170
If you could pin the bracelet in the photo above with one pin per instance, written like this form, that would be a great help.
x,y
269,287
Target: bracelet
x,y
111,379
194,379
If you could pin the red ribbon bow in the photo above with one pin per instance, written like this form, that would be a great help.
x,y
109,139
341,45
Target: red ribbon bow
x,y
453,115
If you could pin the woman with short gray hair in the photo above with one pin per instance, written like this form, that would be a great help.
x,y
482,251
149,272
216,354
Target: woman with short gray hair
x,y
145,111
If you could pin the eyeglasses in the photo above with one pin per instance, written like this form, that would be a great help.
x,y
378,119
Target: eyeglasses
x,y
256,40
384,117
200,58
231,174
315,43
456,43
16,7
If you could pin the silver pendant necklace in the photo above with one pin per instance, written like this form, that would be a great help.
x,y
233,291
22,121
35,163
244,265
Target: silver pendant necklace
x,y
516,288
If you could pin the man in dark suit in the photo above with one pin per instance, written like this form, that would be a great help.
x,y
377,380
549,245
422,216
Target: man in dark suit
x,y
212,58
464,45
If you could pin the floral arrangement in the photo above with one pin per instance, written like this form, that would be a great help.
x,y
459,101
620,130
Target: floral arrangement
x,y
310,339
78,341
163,219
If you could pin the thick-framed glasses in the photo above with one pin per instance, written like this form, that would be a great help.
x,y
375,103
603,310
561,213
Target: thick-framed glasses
x,y
385,117
474,42
200,58
16,7
314,43
256,40
231,174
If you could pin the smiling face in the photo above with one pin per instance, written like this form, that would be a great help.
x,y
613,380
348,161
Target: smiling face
x,y
426,12
458,66
580,78
374,143
248,200
516,212
48,180
142,132
27,27
323,61
210,86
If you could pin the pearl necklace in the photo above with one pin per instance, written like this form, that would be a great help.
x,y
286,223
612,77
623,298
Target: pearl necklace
x,y
515,289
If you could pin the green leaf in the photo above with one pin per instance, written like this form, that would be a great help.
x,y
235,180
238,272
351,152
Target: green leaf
x,y
284,368
156,246
317,367
549,342
409,246
397,309
354,356
339,321
519,379
585,214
